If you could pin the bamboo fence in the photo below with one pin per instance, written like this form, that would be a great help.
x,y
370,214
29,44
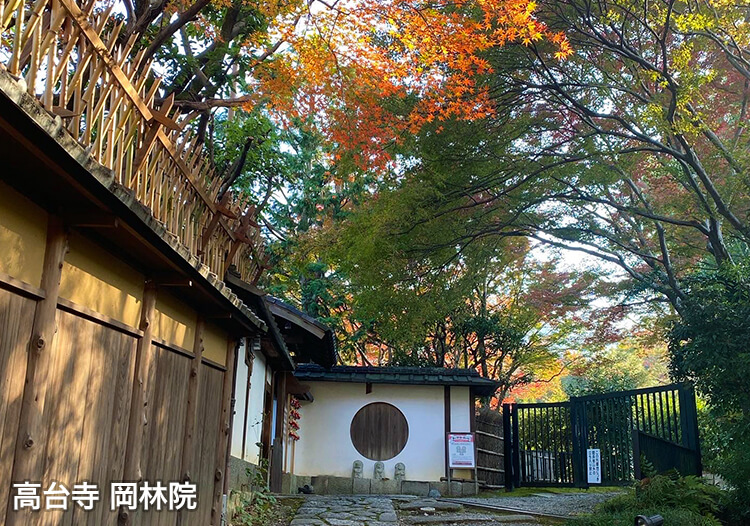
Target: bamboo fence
x,y
70,60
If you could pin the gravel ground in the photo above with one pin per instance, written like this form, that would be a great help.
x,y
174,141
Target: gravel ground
x,y
570,504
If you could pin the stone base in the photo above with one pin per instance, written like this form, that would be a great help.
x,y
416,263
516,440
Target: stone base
x,y
329,485
290,484
240,474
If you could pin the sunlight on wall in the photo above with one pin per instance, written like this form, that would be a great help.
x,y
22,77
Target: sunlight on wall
x,y
174,322
215,344
254,408
92,277
23,234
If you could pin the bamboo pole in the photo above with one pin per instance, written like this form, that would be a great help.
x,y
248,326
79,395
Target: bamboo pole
x,y
225,434
31,437
138,403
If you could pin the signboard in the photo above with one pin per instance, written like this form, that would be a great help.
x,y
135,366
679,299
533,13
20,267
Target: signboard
x,y
594,463
461,451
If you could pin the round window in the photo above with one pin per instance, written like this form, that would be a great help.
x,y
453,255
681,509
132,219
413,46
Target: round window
x,y
379,431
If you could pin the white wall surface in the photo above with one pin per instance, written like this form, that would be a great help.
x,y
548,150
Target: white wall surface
x,y
240,403
460,414
254,407
325,446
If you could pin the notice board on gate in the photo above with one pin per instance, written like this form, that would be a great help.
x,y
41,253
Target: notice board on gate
x,y
461,451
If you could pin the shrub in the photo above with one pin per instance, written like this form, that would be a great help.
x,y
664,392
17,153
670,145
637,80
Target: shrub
x,y
672,491
257,506
710,345
683,501
678,517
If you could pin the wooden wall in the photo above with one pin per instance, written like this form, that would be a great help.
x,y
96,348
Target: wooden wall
x,y
16,314
87,389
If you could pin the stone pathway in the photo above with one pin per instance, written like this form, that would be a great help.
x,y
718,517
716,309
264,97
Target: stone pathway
x,y
379,511
567,504
431,512
346,511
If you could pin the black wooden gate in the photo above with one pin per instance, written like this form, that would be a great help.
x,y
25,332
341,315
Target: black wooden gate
x,y
546,444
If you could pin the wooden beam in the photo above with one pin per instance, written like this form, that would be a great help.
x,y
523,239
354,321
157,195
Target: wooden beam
x,y
208,233
138,414
92,220
277,451
31,437
20,287
225,211
169,279
225,434
269,349
159,117
146,146
219,315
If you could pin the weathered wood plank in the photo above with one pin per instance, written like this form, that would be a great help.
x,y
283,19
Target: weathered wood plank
x,y
67,386
188,440
138,418
16,316
225,433
31,437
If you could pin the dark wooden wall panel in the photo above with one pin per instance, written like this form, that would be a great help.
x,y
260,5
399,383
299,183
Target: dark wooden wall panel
x,y
206,441
88,402
162,444
88,397
379,431
16,317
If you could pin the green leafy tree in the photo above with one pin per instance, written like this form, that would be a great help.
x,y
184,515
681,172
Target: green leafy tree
x,y
710,346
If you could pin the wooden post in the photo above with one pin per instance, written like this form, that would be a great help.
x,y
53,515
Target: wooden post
x,y
31,437
447,426
138,402
191,415
277,449
689,421
225,434
508,451
232,411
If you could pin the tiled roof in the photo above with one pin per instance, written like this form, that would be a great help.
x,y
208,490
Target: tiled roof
x,y
399,376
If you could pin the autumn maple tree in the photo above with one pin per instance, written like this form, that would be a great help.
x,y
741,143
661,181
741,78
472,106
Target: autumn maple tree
x,y
332,64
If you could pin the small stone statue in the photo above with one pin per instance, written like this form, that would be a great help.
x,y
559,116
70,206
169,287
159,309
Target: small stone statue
x,y
379,473
400,471
357,469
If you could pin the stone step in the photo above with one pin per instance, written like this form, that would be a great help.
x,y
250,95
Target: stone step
x,y
457,518
439,505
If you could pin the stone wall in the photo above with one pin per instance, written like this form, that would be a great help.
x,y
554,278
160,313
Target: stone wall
x,y
329,485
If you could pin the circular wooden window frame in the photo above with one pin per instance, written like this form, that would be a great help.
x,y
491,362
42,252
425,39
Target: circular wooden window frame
x,y
378,451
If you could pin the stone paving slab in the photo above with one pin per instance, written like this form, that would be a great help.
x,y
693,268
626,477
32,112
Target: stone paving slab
x,y
346,511
469,519
439,505
564,504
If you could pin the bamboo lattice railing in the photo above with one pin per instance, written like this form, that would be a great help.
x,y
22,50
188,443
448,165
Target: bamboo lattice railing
x,y
69,58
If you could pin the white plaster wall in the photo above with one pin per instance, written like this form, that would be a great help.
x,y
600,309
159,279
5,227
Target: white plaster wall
x,y
254,406
240,403
325,446
460,409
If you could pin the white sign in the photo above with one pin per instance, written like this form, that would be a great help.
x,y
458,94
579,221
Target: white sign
x,y
461,450
594,463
